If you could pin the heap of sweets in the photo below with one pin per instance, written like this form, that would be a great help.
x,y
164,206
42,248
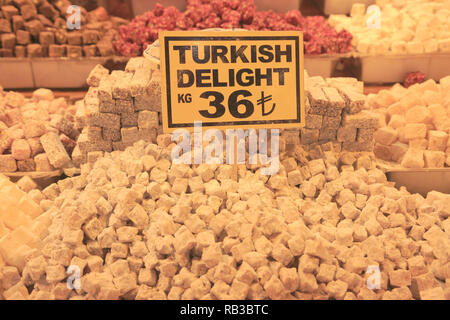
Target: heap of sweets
x,y
139,227
36,134
319,36
22,227
39,29
335,114
414,124
119,109
416,27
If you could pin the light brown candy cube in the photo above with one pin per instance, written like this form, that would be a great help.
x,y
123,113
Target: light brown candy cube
x,y
434,159
96,75
418,114
309,136
437,140
415,131
20,149
7,163
148,119
413,158
42,163
346,134
386,136
56,153
397,151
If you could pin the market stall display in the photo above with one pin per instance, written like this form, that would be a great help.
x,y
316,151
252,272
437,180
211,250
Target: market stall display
x,y
119,109
23,224
118,218
37,134
402,37
415,124
181,232
40,30
416,28
319,36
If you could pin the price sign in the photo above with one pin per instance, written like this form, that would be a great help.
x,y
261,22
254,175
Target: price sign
x,y
232,79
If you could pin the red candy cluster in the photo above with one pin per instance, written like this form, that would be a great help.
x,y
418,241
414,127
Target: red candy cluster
x,y
413,78
319,36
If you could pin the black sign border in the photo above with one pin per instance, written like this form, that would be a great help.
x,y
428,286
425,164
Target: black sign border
x,y
231,38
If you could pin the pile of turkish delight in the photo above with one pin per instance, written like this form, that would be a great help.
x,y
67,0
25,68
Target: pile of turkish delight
x,y
40,29
119,109
415,124
137,226
36,134
335,113
401,27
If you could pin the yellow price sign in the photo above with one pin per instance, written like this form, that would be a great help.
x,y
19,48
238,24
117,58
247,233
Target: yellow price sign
x,y
232,79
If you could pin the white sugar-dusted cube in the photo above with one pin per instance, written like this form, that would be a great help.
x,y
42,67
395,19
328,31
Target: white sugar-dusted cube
x,y
437,140
363,46
445,82
431,97
431,46
398,47
434,159
415,131
386,136
413,159
418,114
421,144
444,45
430,84
398,150
385,98
396,108
438,113
414,47
358,9
403,35
397,121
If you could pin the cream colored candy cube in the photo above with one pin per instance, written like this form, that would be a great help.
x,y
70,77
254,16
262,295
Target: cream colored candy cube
x,y
398,47
415,131
437,140
418,114
444,45
434,159
421,144
431,97
358,9
413,158
385,98
397,121
386,135
445,82
431,46
397,151
363,46
414,47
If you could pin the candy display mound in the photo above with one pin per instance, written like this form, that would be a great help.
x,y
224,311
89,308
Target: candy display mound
x,y
139,227
414,124
320,37
401,27
41,29
36,134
